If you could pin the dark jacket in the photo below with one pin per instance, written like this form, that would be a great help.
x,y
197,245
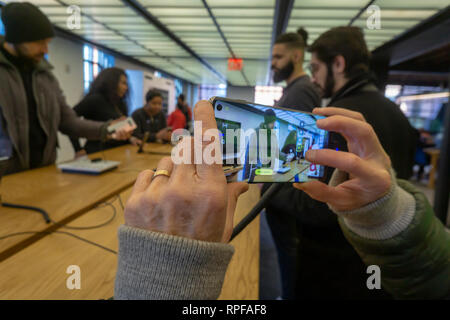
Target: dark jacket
x,y
322,243
97,107
53,113
145,123
396,135
300,94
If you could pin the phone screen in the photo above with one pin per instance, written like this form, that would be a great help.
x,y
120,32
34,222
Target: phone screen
x,y
263,144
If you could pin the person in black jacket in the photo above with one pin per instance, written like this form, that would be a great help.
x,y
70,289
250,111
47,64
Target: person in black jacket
x,y
106,101
328,267
151,119
299,94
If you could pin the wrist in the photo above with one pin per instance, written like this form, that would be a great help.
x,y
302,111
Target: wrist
x,y
181,268
383,218
104,134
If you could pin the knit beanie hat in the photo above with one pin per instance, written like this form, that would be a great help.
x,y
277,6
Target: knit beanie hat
x,y
24,22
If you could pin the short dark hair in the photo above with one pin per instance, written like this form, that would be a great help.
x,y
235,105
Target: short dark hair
x,y
269,116
181,96
347,42
296,40
152,93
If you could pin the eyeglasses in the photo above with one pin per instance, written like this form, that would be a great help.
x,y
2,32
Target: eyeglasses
x,y
312,68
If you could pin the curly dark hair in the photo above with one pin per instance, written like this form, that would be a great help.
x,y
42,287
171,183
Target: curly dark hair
x,y
106,84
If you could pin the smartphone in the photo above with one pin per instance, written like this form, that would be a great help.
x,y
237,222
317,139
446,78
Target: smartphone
x,y
128,123
265,144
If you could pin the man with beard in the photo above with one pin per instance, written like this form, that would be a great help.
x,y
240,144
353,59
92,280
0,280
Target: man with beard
x,y
328,266
299,94
32,104
287,65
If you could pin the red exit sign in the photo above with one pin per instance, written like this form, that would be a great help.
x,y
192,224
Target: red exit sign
x,y
235,64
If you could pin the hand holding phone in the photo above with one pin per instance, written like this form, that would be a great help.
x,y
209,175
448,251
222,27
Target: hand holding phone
x,y
122,129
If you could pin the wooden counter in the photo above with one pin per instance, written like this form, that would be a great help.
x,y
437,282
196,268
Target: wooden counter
x,y
65,196
434,154
33,266
39,271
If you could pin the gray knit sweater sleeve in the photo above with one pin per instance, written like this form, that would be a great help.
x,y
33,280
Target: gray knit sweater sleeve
x,y
158,266
382,219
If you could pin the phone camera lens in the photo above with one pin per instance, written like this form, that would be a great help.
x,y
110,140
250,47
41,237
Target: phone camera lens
x,y
219,107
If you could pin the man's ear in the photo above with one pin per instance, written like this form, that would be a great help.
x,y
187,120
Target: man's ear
x,y
339,65
297,56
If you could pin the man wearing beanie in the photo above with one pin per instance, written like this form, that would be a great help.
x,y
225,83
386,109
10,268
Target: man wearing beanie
x,y
32,103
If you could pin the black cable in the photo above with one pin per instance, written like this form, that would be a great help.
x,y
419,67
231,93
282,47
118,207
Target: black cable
x,y
273,189
70,227
121,203
19,206
61,232
91,227
49,220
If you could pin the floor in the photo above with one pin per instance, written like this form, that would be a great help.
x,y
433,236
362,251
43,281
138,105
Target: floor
x,y
269,275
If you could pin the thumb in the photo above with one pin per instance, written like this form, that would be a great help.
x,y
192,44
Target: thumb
x,y
235,189
318,191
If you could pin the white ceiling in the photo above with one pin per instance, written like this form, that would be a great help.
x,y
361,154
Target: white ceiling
x,y
246,26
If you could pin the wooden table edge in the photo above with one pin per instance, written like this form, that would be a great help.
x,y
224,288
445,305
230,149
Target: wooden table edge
x,y
7,253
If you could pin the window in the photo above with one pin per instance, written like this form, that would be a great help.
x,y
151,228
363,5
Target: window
x,y
2,27
94,61
392,91
425,110
208,91
268,95
178,88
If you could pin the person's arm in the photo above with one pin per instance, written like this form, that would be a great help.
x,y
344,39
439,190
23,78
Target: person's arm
x,y
174,241
158,266
400,234
82,111
74,126
390,224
